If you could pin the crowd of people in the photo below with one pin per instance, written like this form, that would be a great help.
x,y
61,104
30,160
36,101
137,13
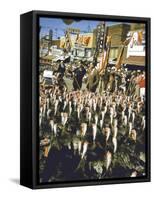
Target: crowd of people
x,y
92,132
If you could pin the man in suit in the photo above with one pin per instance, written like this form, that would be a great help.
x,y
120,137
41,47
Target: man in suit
x,y
93,79
79,73
61,68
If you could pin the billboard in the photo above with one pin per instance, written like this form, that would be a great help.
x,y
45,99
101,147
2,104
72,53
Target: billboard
x,y
136,47
79,40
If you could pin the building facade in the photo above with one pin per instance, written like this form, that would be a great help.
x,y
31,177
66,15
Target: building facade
x,y
118,35
134,53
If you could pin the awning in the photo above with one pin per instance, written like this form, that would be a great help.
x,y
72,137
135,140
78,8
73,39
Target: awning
x,y
135,60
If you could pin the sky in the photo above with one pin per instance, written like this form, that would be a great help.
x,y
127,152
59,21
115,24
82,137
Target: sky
x,y
58,26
